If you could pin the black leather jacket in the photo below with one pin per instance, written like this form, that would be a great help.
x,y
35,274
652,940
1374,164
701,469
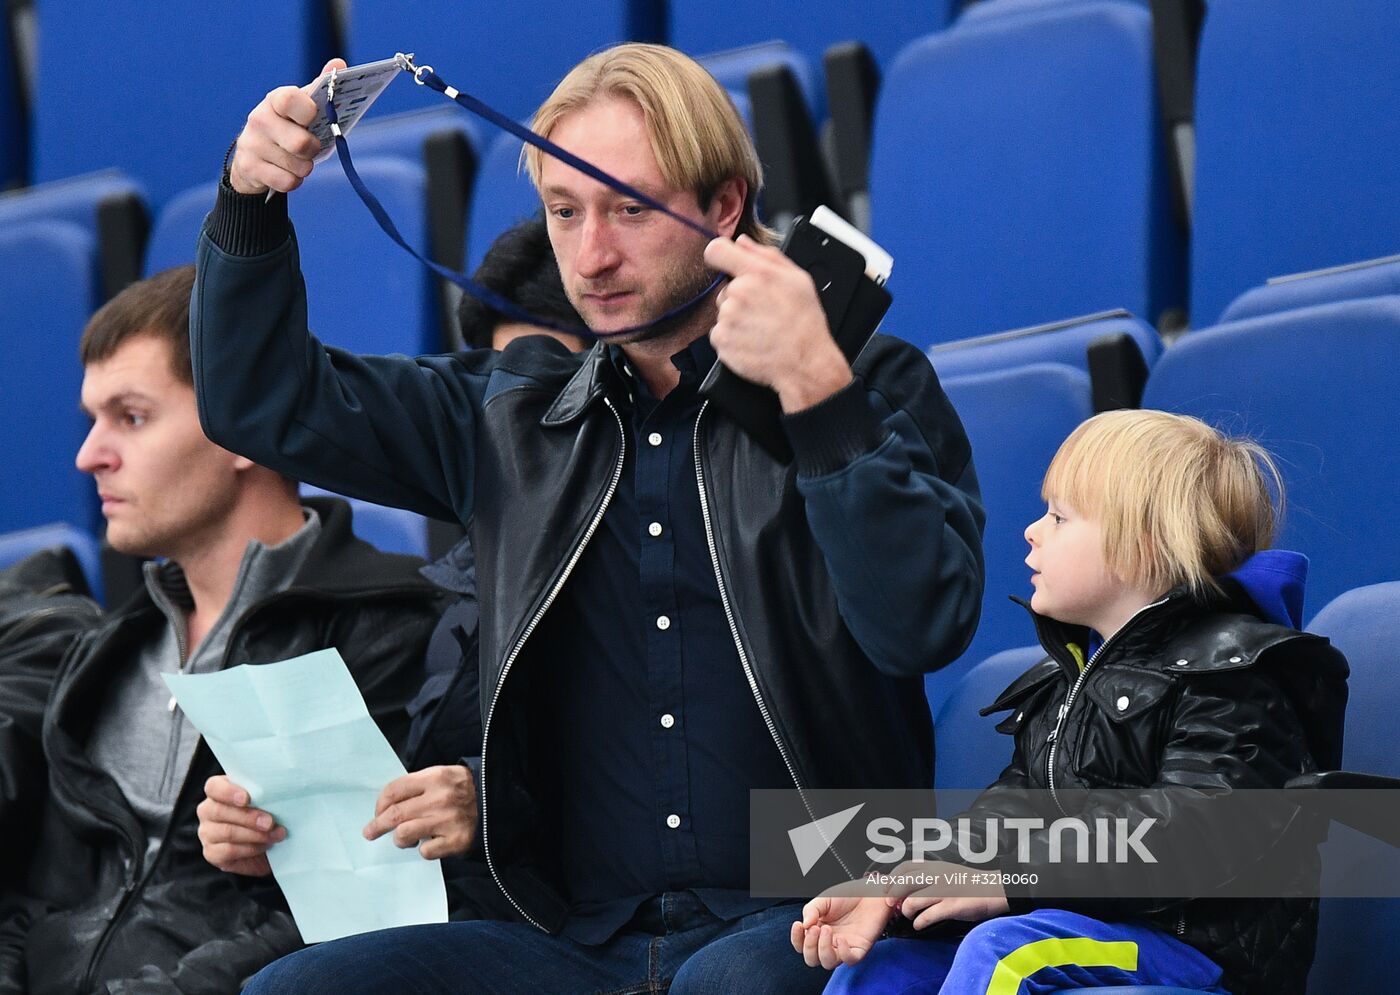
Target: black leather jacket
x,y
44,608
846,576
93,915
1194,697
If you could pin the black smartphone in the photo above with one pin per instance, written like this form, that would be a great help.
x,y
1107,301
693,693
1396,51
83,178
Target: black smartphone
x,y
854,303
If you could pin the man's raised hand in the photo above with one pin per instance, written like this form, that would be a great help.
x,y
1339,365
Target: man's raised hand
x,y
771,328
276,149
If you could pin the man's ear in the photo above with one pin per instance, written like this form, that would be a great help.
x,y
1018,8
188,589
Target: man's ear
x,y
727,205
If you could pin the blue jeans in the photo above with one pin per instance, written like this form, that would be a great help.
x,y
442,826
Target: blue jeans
x,y
674,944
1044,951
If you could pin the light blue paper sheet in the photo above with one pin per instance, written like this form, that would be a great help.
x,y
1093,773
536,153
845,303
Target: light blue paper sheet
x,y
297,736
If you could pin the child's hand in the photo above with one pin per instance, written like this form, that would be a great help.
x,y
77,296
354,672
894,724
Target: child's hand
x,y
839,930
933,903
926,909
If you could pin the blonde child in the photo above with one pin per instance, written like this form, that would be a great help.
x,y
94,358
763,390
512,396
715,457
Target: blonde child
x,y
1174,662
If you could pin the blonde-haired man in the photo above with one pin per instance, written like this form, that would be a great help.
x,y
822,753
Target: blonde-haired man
x,y
669,617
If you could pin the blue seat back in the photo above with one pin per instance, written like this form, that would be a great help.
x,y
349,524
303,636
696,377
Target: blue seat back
x,y
503,197
812,29
175,231
15,546
990,181
74,201
1316,387
983,9
1298,143
732,66
1064,342
46,290
403,134
364,293
176,80
1364,624
1016,420
1372,278
509,55
970,752
391,530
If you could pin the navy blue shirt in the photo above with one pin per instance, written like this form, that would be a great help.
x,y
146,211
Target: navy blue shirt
x,y
660,735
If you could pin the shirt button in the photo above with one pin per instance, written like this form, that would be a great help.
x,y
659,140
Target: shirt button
x,y
1122,703
654,438
674,821
654,528
663,623
667,720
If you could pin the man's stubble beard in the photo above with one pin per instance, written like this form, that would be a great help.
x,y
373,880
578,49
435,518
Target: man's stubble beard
x,y
682,287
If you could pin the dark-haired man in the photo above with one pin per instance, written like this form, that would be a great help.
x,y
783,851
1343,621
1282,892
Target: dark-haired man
x,y
117,897
519,266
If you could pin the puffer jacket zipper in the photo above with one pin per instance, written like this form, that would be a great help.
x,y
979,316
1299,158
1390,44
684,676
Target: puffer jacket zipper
x,y
1054,739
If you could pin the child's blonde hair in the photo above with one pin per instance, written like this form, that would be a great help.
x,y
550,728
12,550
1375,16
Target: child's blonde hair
x,y
1178,502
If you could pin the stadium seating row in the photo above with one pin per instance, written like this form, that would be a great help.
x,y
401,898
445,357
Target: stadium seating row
x,y
1018,170
1312,382
139,56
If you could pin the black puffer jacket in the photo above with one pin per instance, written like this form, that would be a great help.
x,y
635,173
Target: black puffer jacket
x,y
92,908
1190,696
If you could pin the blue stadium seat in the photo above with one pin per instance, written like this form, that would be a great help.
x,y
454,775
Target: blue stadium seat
x,y
732,67
403,135
46,290
982,9
1016,420
1298,143
1058,342
1364,624
502,197
811,29
509,55
970,752
176,229
92,202
1372,278
173,82
391,530
1317,388
15,546
364,293
1018,173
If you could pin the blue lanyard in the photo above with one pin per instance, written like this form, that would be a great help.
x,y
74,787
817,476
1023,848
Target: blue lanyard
x,y
425,76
